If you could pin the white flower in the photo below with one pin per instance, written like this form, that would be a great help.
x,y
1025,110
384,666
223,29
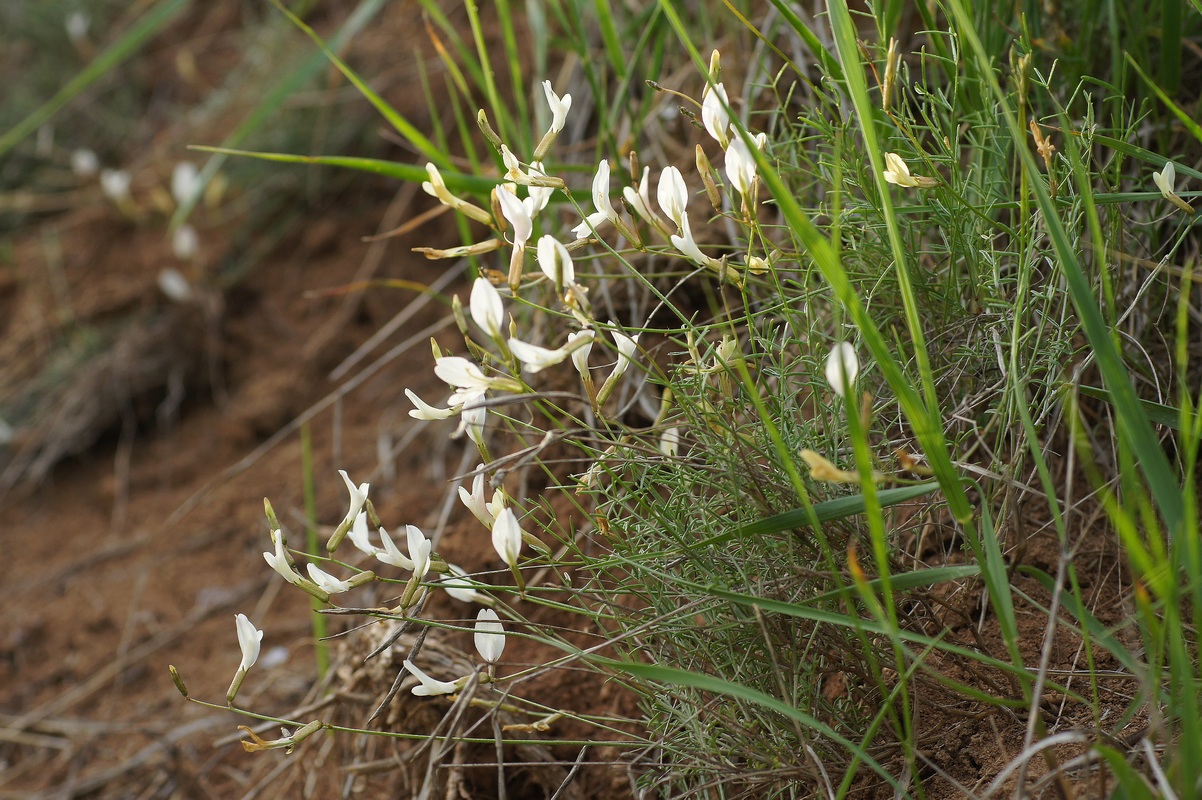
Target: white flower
x,y
249,638
419,550
673,195
740,166
713,113
513,167
77,24
435,187
174,285
898,172
460,587
430,687
507,537
487,309
474,500
358,498
328,583
517,214
555,262
185,181
559,107
391,554
669,442
581,352
687,245
279,560
536,359
627,345
84,163
471,421
115,184
605,209
464,377
537,196
489,636
1166,182
360,535
426,411
640,200
842,366
185,242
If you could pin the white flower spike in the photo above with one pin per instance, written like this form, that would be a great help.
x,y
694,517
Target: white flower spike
x,y
842,367
249,638
1166,182
489,636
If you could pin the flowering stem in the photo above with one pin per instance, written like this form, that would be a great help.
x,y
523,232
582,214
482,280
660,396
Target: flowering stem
x,y
318,620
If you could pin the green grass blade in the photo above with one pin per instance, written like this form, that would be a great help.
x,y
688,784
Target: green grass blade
x,y
143,30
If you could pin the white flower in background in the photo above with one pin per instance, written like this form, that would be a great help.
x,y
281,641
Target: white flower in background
x,y
640,200
391,554
279,560
673,195
419,550
842,366
174,285
507,537
360,535
428,687
1166,182
328,583
185,182
516,213
76,25
669,442
559,107
489,636
472,419
475,501
185,242
460,587
898,172
556,262
424,410
249,638
115,185
487,309
605,210
436,187
713,113
84,163
462,375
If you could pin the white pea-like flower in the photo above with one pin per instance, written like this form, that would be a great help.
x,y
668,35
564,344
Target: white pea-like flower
x,y
740,166
507,537
640,199
556,262
429,687
391,554
425,411
687,245
475,500
358,499
84,163
489,636
460,587
605,210
842,367
517,214
673,195
669,442
462,375
249,639
115,184
581,352
437,187
360,535
1166,182
714,115
487,309
419,550
898,172
279,560
328,583
472,419
559,107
